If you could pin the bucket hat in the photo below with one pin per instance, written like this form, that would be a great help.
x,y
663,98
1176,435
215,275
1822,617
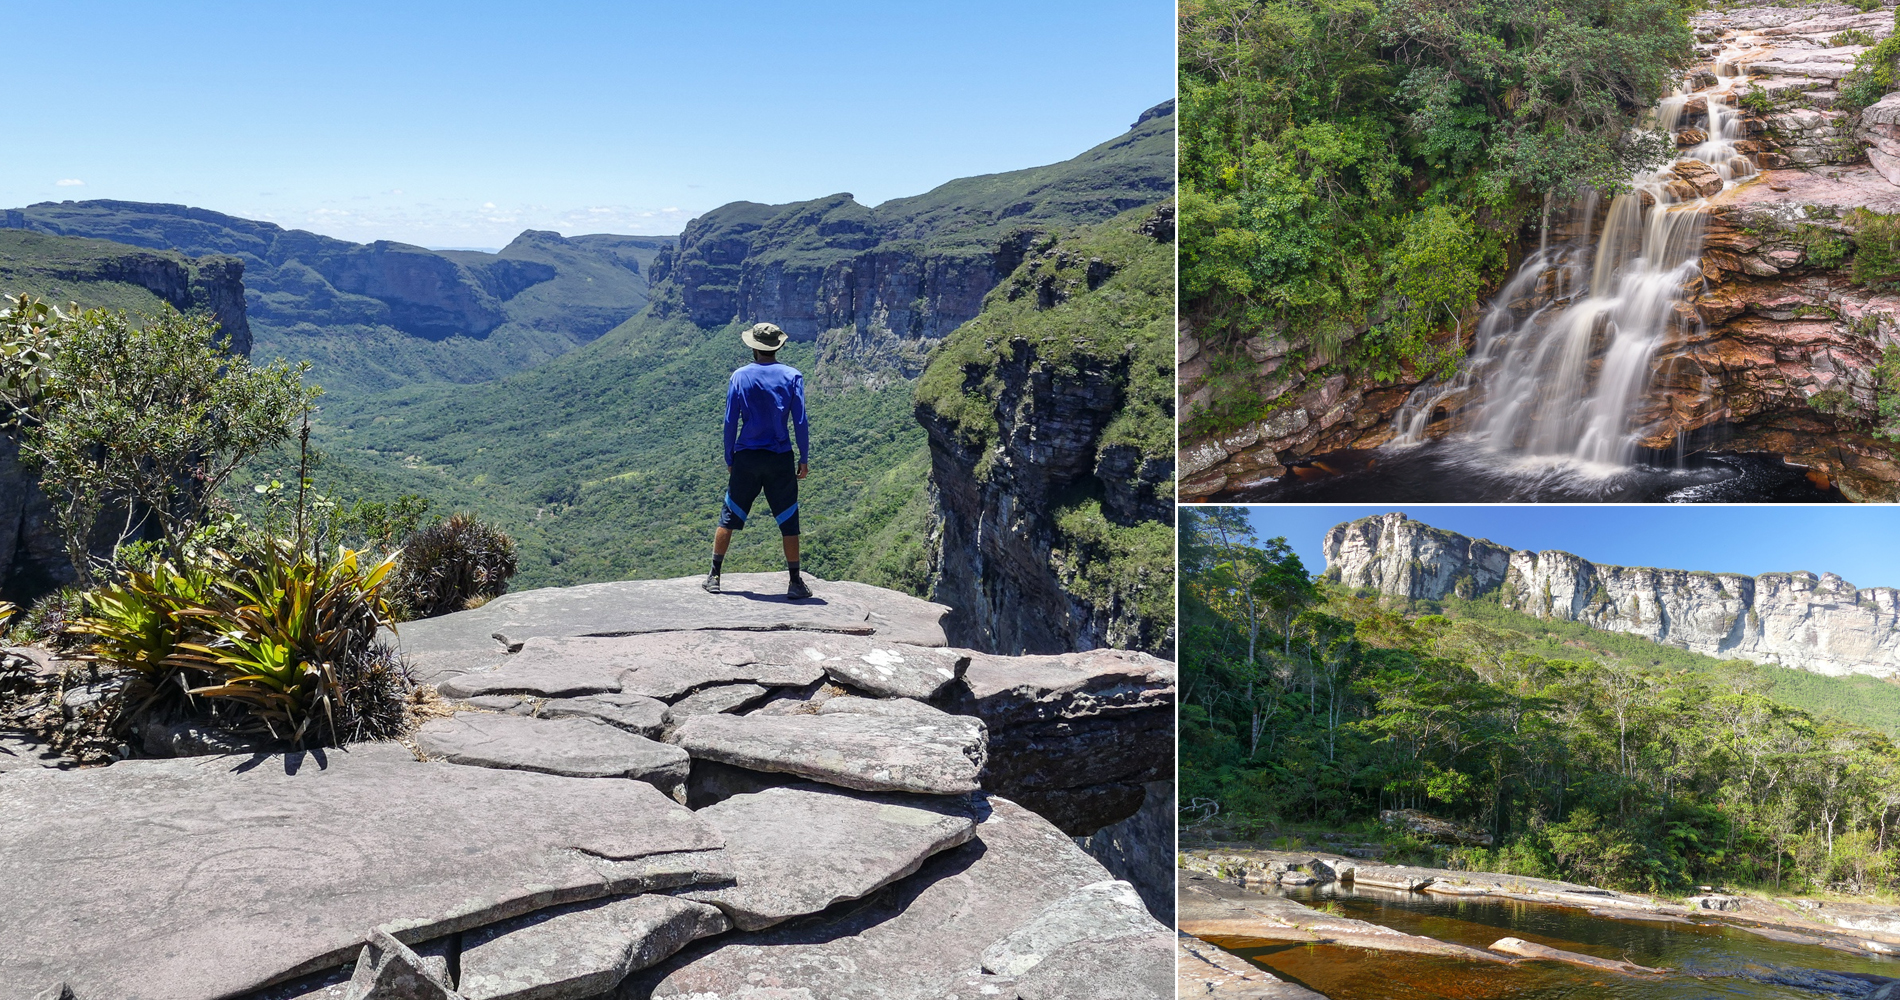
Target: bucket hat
x,y
764,337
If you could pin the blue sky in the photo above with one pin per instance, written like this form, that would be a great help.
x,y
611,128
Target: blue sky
x,y
460,124
1859,542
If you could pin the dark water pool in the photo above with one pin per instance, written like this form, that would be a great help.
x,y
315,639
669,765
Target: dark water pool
x,y
1456,472
1706,960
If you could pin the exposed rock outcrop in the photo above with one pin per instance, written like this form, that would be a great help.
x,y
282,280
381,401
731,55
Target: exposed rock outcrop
x,y
1052,451
1816,623
878,287
830,841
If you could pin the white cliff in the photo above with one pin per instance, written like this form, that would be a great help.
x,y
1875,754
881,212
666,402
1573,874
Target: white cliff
x,y
1816,623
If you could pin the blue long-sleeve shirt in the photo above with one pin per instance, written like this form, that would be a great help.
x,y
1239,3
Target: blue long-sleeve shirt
x,y
762,398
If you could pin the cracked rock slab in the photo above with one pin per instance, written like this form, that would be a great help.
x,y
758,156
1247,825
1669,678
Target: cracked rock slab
x,y
751,601
632,712
577,748
799,849
1103,911
197,879
716,699
920,939
580,951
866,752
1130,968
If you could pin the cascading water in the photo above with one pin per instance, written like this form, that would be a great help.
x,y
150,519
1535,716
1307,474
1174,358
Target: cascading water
x,y
1562,378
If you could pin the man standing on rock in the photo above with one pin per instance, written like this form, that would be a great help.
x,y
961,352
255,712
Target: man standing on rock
x,y
759,399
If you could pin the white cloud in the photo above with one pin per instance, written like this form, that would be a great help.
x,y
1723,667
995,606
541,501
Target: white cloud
x,y
69,182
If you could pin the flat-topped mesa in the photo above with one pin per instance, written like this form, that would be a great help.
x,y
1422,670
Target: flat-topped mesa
x,y
1817,623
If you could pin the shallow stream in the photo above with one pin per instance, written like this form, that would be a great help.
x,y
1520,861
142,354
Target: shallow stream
x,y
1461,472
1707,960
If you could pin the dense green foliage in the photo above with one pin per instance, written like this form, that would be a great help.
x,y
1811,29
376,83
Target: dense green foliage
x,y
135,420
1873,75
1602,762
1355,172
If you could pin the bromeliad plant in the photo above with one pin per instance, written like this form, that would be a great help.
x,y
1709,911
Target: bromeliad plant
x,y
290,634
284,635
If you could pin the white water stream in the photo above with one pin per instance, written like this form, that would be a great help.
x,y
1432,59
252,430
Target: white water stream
x,y
1561,381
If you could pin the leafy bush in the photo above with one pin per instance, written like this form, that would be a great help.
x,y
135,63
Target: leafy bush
x,y
444,566
140,418
1873,74
1887,392
1876,248
1852,36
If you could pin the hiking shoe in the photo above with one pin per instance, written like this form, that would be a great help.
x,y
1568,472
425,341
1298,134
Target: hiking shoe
x,y
797,589
711,586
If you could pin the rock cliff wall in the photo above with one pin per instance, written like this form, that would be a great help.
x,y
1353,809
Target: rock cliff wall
x,y
1052,453
877,288
1816,623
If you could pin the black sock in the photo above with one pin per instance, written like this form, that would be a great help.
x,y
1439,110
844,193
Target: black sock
x,y
717,559
791,565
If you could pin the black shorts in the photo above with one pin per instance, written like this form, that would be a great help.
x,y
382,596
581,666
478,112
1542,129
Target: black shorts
x,y
753,470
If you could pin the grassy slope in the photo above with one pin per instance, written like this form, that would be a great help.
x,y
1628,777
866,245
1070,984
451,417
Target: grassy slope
x,y
55,268
1862,700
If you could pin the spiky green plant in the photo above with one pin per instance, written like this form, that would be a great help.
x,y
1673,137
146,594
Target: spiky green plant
x,y
139,623
288,633
445,565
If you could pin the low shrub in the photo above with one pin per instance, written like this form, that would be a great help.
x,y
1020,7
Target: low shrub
x,y
48,621
1876,248
446,565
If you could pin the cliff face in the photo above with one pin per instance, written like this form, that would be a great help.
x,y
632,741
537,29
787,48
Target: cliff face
x,y
877,288
1817,623
1051,448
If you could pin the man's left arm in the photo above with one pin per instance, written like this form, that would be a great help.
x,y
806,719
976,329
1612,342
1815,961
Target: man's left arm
x,y
800,426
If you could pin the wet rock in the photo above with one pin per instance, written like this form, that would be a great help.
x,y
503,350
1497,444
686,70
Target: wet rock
x,y
1102,912
578,748
1713,902
633,712
1527,949
123,880
1207,907
868,753
921,939
1205,971
799,849
582,950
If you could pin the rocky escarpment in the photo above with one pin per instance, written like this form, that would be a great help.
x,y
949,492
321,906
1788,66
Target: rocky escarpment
x,y
1776,347
1051,448
1816,623
93,273
624,790
878,287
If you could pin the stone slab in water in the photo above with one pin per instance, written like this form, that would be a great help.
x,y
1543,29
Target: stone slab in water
x,y
1203,970
632,712
579,748
751,601
799,849
201,878
866,752
582,950
921,939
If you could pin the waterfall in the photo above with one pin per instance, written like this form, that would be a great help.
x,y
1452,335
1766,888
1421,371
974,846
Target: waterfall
x,y
1563,355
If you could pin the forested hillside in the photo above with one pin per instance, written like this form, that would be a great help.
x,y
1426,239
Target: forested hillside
x,y
1599,758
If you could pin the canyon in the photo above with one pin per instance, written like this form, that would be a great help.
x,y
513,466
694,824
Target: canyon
x,y
1818,623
